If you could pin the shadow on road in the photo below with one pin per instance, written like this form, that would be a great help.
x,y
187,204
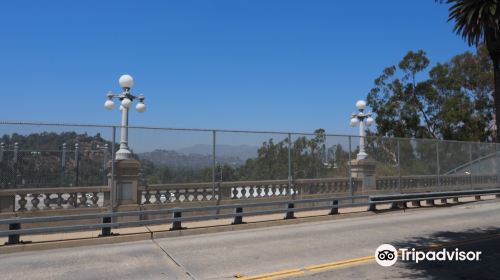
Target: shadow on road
x,y
486,240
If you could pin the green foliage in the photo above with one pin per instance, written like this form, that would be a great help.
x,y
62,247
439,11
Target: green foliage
x,y
476,21
271,163
454,101
39,161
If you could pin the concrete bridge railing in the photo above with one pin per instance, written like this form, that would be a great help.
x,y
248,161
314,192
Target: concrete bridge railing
x,y
177,194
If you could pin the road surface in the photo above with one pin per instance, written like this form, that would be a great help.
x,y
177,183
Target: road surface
x,y
340,249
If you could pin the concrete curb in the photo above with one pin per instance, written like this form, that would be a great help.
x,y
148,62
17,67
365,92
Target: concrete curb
x,y
73,243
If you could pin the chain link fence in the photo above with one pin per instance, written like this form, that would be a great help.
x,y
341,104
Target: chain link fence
x,y
50,155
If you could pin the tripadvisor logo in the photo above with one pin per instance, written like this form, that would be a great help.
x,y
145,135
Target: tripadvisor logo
x,y
387,255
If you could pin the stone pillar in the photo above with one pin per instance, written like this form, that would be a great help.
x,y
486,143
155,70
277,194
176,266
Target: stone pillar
x,y
126,185
364,169
7,203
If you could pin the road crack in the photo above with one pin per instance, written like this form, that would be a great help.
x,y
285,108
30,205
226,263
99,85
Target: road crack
x,y
184,270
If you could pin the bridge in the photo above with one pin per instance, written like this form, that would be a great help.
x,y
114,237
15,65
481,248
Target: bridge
x,y
293,205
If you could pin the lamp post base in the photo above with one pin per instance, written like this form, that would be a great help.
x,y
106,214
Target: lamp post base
x,y
361,155
125,186
122,154
364,169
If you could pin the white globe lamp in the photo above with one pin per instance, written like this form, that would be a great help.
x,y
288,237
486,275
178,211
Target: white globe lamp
x,y
126,81
361,104
369,121
126,103
109,104
354,122
140,107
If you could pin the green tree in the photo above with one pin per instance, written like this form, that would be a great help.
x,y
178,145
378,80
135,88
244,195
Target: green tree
x,y
452,101
478,22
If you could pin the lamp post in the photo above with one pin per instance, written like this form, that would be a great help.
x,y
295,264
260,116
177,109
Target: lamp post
x,y
126,82
360,118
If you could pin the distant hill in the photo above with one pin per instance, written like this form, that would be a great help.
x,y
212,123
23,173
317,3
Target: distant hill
x,y
242,152
176,159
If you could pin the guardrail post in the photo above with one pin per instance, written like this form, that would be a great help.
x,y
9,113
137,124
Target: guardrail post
x,y
290,214
430,202
455,200
444,201
477,197
372,206
106,231
177,225
13,238
238,219
335,208
398,205
416,203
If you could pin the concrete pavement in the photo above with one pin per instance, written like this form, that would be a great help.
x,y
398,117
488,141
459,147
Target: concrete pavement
x,y
265,251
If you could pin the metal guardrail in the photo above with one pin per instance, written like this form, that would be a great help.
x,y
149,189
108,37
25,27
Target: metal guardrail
x,y
15,230
402,199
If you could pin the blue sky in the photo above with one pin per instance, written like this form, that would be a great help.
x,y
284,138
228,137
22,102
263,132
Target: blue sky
x,y
256,65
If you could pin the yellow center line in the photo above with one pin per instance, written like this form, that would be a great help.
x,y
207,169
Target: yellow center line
x,y
341,265
354,261
339,262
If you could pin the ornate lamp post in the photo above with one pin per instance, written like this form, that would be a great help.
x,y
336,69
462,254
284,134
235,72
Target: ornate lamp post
x,y
126,82
360,118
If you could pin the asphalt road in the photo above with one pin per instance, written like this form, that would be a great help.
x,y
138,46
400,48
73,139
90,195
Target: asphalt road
x,y
335,249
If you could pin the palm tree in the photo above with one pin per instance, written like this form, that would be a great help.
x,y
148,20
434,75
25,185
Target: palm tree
x,y
477,21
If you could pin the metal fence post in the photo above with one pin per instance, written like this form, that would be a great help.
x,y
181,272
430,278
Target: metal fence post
x,y
350,171
470,166
16,151
63,164
77,163
290,178
113,191
399,167
438,167
2,149
15,171
104,161
498,169
214,139
2,178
